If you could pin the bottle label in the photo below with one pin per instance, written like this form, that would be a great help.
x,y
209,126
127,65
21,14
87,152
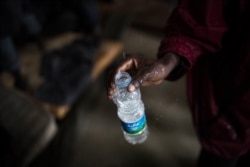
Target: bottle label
x,y
135,127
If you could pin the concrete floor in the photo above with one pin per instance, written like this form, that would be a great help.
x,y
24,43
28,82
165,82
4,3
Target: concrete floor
x,y
91,135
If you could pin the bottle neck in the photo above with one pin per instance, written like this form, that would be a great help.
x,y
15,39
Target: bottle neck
x,y
122,92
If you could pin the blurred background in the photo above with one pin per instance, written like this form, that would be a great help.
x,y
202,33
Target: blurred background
x,y
55,56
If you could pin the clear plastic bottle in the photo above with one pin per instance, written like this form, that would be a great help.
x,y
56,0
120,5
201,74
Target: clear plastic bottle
x,y
130,110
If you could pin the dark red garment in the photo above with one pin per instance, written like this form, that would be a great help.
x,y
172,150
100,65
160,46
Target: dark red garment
x,y
212,37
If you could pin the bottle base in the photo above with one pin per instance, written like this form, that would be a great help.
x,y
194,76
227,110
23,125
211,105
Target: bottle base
x,y
138,138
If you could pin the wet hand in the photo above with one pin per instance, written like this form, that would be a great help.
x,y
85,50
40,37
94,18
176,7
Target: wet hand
x,y
144,71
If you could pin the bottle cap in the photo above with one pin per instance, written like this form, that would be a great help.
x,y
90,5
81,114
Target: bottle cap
x,y
122,79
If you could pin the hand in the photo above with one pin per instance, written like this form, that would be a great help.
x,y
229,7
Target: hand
x,y
144,71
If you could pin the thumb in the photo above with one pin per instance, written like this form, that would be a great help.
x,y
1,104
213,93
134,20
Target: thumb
x,y
135,84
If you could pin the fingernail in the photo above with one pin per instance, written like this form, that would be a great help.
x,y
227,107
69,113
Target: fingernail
x,y
131,88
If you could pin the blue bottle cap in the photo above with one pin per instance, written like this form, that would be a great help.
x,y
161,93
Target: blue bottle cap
x,y
122,79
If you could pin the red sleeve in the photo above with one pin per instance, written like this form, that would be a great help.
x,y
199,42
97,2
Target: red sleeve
x,y
194,28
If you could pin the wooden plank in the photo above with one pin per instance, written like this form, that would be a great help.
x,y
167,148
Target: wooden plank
x,y
59,111
109,50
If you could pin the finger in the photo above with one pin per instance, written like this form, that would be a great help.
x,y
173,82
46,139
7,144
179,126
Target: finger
x,y
135,84
142,80
130,63
110,94
126,65
110,86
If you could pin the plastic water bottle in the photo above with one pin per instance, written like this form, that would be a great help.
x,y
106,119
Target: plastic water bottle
x,y
130,110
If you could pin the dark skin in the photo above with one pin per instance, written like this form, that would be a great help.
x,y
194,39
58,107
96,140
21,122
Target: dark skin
x,y
144,71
